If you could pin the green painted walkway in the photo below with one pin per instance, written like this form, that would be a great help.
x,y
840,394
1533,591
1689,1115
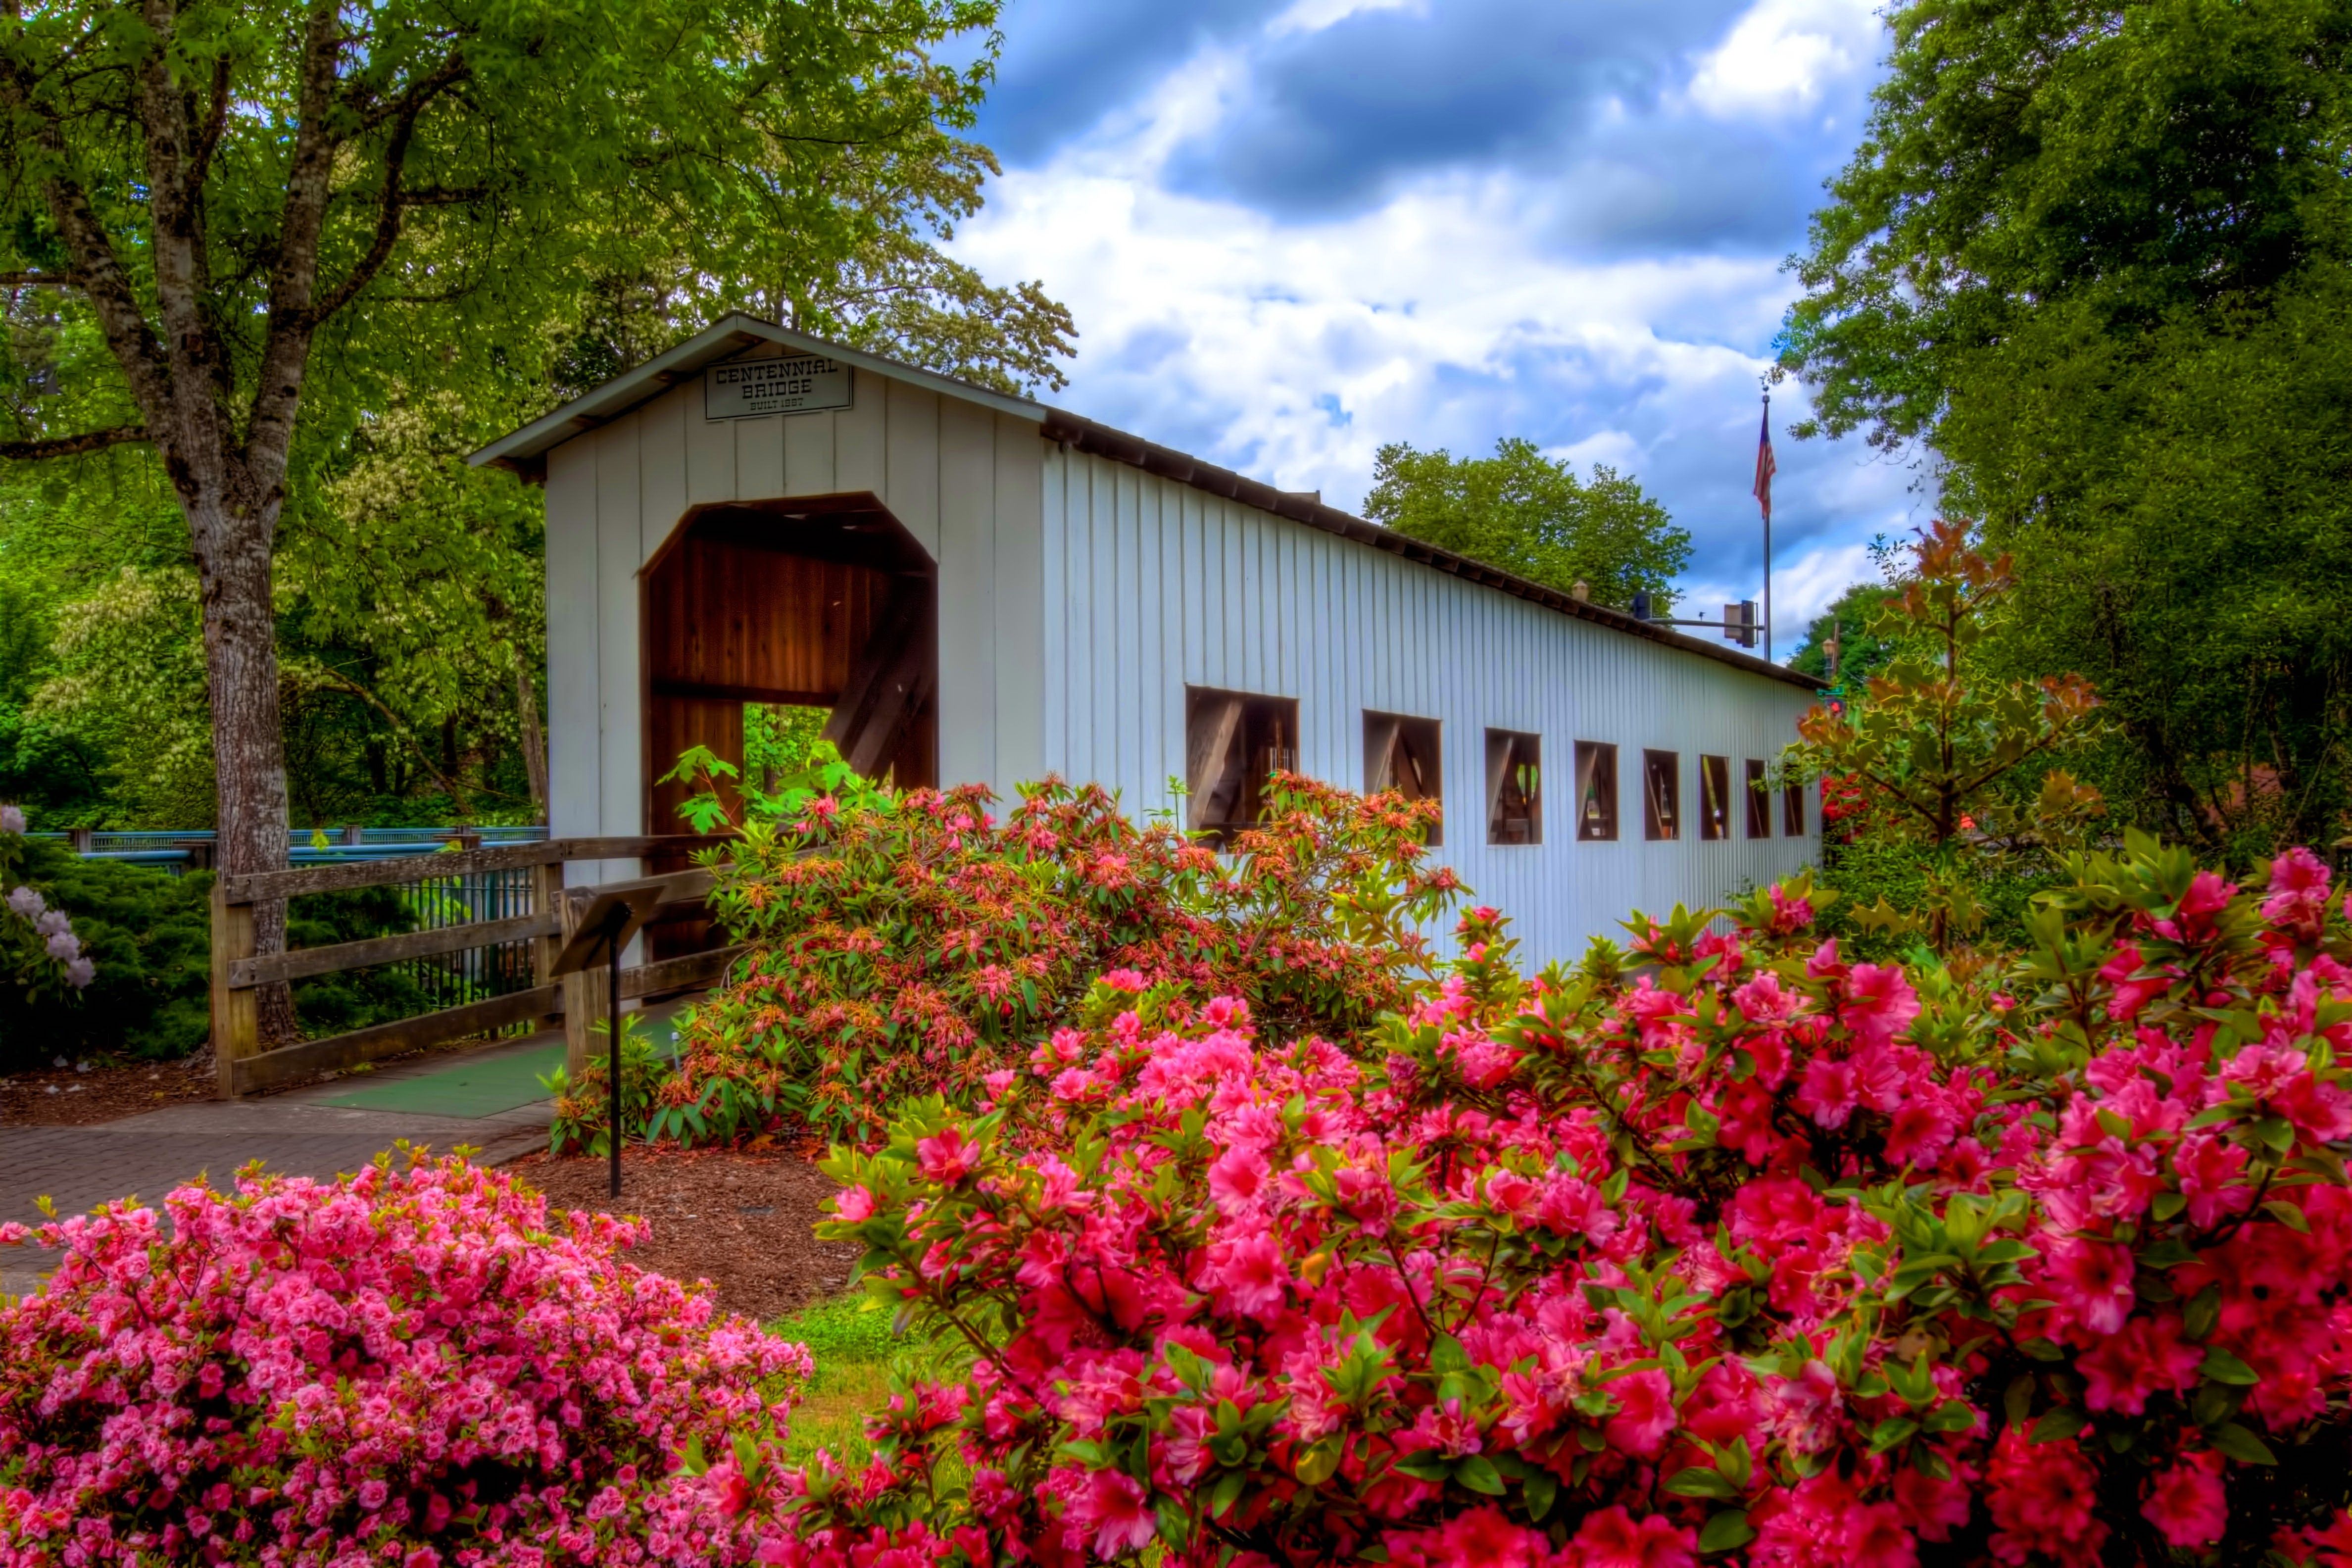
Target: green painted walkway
x,y
467,1087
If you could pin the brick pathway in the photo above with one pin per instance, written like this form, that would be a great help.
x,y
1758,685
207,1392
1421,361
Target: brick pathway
x,y
80,1168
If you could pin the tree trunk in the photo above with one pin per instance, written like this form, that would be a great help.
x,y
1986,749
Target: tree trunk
x,y
248,744
534,744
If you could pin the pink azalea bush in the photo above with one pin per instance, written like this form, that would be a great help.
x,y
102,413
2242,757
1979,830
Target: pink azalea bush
x,y
413,1367
1722,1246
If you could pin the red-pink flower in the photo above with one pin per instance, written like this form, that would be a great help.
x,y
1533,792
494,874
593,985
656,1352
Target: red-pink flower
x,y
2146,1357
2090,1282
1612,1537
2186,1501
1829,1091
1114,1512
947,1157
1247,1275
2042,1496
1879,1004
1236,1177
2298,892
1645,1413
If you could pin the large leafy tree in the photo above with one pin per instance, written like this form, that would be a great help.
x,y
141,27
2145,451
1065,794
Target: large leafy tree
x,y
259,208
1533,515
2094,255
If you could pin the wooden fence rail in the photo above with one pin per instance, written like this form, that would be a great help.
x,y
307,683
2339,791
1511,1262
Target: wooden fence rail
x,y
578,1001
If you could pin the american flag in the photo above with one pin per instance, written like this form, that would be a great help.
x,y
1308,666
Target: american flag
x,y
1765,466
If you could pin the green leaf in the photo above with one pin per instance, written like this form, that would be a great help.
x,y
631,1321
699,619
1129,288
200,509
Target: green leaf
x,y
1175,1521
1541,1489
2057,1426
1319,1462
2288,1215
1891,1432
2241,1444
1478,1473
1725,1531
1698,1480
2220,1366
1952,1415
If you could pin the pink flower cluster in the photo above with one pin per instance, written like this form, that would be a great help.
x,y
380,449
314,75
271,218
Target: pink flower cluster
x,y
410,1367
1721,1247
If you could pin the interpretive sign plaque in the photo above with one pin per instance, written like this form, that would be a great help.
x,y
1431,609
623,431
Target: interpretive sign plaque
x,y
748,388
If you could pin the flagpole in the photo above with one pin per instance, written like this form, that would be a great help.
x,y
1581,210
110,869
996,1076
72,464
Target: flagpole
x,y
1768,544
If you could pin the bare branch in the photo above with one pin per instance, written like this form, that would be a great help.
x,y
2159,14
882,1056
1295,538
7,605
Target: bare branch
x,y
396,197
71,445
182,272
39,281
200,156
97,269
294,272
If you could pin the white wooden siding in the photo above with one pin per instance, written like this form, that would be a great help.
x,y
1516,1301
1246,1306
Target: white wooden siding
x,y
962,478
1151,585
1079,597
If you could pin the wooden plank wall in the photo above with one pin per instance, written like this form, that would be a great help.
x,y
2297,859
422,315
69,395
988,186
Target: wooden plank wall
x,y
1150,586
771,626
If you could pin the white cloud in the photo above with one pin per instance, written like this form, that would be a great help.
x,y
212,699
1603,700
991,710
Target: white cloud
x,y
1801,589
1315,16
1778,57
1292,349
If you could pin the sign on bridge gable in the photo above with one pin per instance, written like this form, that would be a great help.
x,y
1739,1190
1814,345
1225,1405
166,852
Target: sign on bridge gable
x,y
748,388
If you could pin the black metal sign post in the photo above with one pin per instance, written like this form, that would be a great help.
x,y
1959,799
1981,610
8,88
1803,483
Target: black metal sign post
x,y
615,916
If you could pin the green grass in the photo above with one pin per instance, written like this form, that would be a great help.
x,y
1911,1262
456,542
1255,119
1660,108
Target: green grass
x,y
854,1352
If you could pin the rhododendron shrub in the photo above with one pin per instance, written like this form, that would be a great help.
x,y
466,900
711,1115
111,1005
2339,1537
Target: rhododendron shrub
x,y
40,952
412,1367
913,944
1720,1247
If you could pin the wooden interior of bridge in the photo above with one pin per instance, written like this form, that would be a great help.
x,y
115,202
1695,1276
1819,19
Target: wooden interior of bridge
x,y
817,602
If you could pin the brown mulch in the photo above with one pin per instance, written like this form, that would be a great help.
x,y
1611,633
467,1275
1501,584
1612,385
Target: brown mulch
x,y
69,1097
740,1219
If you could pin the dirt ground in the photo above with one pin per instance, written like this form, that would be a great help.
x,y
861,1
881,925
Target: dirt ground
x,y
741,1220
69,1096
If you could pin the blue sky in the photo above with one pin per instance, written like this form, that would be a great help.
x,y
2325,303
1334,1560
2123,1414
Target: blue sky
x,y
1291,230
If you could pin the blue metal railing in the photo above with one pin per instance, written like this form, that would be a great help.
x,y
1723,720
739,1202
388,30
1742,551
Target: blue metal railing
x,y
433,903
175,849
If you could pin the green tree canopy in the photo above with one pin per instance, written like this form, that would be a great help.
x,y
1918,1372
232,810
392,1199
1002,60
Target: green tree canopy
x,y
2094,255
1530,514
263,218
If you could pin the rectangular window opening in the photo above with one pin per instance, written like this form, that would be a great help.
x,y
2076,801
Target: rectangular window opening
x,y
1401,753
1514,787
1714,797
1792,810
1596,791
1760,801
1662,794
1234,742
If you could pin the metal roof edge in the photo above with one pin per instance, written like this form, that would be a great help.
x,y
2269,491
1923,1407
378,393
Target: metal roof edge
x,y
1102,440
524,451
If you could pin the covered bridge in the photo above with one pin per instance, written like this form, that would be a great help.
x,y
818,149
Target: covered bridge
x,y
979,587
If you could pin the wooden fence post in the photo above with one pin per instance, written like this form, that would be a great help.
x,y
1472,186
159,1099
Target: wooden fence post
x,y
547,898
237,1015
584,1003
